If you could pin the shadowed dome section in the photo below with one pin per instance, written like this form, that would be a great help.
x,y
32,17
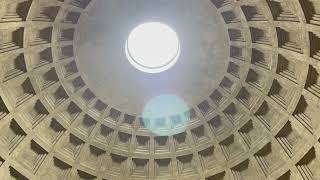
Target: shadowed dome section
x,y
152,47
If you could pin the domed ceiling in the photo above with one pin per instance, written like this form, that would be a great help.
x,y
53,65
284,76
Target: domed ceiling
x,y
100,51
71,105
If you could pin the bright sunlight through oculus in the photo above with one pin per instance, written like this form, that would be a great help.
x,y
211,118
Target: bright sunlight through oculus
x,y
153,47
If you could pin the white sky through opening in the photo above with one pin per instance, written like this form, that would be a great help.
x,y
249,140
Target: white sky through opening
x,y
153,47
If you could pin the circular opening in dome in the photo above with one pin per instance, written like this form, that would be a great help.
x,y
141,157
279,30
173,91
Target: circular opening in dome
x,y
153,47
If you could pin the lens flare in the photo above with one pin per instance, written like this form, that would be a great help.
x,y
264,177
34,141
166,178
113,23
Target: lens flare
x,y
165,115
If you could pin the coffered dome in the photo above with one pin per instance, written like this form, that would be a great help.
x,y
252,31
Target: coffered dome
x,y
241,100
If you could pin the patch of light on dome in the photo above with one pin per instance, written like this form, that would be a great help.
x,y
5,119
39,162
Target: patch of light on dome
x,y
165,115
152,47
